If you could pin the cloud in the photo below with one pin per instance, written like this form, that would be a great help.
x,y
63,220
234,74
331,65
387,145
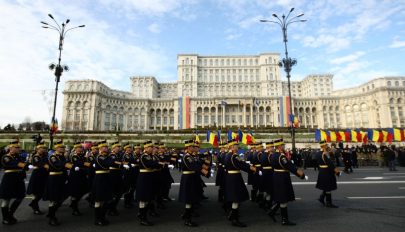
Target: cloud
x,y
154,28
397,44
348,58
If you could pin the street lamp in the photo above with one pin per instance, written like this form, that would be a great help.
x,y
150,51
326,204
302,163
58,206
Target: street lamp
x,y
58,68
287,62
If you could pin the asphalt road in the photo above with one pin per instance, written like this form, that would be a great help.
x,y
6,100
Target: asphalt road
x,y
370,199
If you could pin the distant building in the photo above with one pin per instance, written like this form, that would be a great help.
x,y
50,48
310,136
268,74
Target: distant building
x,y
243,91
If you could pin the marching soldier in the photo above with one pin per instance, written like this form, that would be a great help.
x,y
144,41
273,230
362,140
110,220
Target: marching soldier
x,y
326,176
39,176
56,188
116,177
220,177
166,177
267,175
130,175
78,182
145,192
189,193
253,178
90,157
235,188
101,189
283,191
12,184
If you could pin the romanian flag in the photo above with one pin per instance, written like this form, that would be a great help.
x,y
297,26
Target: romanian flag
x,y
348,135
212,138
184,112
397,135
324,136
383,136
359,136
327,136
333,136
54,126
197,138
233,135
317,135
390,135
338,136
364,137
246,138
356,137
284,104
294,121
373,135
219,136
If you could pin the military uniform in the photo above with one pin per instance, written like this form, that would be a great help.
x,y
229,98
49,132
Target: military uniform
x,y
116,178
220,177
283,192
39,176
267,175
90,157
101,189
77,181
12,184
190,184
326,176
56,189
165,177
130,175
235,188
253,178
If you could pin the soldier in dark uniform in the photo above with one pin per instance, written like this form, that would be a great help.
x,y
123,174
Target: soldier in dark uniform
x,y
145,191
12,185
39,176
220,177
267,175
326,176
235,188
346,154
283,191
101,189
116,177
91,156
56,189
189,193
77,181
253,178
166,177
262,191
130,175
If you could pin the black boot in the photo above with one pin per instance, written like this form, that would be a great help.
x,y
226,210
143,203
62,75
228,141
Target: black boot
x,y
253,193
259,198
322,199
284,218
234,218
143,219
13,208
6,218
329,203
187,218
112,207
273,211
53,221
75,208
98,212
35,207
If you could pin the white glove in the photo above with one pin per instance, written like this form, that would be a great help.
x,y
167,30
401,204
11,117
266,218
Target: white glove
x,y
94,165
306,177
260,173
212,174
214,164
132,165
77,169
171,166
30,166
126,166
248,162
179,160
292,161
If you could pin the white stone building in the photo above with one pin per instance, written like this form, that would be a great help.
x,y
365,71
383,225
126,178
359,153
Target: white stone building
x,y
227,91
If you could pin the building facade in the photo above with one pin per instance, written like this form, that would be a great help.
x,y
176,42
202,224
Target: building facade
x,y
223,91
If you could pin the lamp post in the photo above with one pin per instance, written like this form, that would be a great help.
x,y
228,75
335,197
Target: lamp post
x,y
287,62
58,68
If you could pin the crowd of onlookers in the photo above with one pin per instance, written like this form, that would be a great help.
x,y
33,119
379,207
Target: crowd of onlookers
x,y
351,157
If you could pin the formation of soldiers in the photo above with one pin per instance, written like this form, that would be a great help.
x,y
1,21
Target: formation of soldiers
x,y
142,174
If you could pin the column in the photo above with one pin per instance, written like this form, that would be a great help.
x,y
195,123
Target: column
x,y
311,120
251,115
209,116
223,116
216,115
161,119
244,114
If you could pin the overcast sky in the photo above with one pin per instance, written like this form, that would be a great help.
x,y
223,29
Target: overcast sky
x,y
355,40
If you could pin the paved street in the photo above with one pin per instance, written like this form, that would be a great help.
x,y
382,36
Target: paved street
x,y
370,199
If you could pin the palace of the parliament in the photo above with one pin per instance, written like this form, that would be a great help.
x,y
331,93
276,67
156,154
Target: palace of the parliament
x,y
244,91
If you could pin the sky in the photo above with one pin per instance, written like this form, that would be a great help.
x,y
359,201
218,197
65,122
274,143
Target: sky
x,y
355,40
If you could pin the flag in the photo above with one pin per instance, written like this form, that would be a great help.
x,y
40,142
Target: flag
x,y
343,136
253,138
338,136
390,135
364,137
212,138
317,135
373,135
324,136
54,126
328,136
353,135
397,135
348,135
359,137
197,138
333,137
294,121
232,135
402,135
382,136
219,136
284,104
246,138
